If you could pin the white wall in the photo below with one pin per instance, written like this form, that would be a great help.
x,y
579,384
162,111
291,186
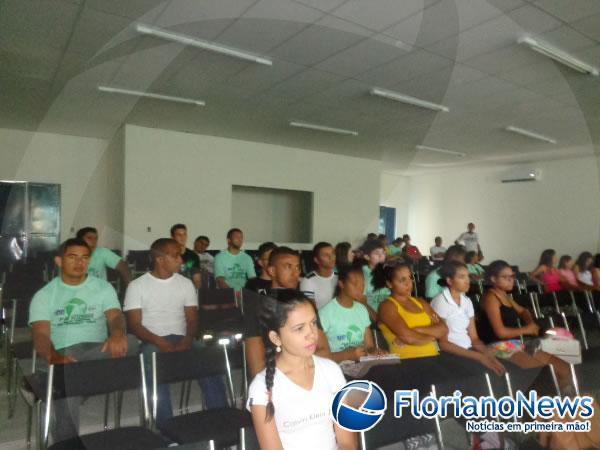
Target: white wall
x,y
178,177
516,221
86,169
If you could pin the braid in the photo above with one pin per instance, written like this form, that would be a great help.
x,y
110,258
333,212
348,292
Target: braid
x,y
269,375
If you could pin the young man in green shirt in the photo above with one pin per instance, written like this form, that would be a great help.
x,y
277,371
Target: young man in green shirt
x,y
233,266
76,317
102,257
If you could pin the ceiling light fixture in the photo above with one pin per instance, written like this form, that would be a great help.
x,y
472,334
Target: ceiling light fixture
x,y
530,134
200,43
558,55
441,150
312,126
170,98
391,95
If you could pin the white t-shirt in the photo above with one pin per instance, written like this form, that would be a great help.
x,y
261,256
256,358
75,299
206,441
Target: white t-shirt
x,y
470,240
435,250
303,418
322,288
207,262
162,302
457,317
586,277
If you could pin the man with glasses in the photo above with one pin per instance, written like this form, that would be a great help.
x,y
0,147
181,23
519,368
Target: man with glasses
x,y
76,317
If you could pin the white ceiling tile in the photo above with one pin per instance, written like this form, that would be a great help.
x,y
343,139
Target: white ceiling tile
x,y
571,10
319,41
504,59
506,5
323,5
533,73
590,26
363,56
532,20
304,84
567,39
181,12
286,10
39,62
145,10
258,77
379,14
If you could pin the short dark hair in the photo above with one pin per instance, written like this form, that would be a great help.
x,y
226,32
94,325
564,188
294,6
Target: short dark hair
x,y
494,269
85,230
448,270
369,246
470,255
320,246
177,226
265,247
454,251
233,230
72,242
159,246
345,270
281,251
202,238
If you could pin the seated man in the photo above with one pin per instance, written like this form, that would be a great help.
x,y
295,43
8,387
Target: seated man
x,y
438,251
207,261
103,257
162,311
233,266
320,283
284,270
76,317
263,281
190,263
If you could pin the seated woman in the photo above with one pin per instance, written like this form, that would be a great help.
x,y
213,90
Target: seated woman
x,y
344,253
456,310
596,271
373,253
410,327
500,327
547,273
290,400
565,266
583,270
411,252
346,321
476,271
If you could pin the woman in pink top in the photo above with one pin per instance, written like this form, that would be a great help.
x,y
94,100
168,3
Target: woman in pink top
x,y
547,273
565,267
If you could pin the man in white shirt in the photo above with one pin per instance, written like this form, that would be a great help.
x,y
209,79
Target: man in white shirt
x,y
162,312
469,239
438,251
320,283
207,261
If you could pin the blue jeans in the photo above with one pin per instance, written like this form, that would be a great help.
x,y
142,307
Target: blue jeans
x,y
213,388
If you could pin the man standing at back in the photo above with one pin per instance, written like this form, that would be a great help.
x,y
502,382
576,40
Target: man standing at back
x,y
76,317
320,283
102,257
162,311
469,239
233,266
190,263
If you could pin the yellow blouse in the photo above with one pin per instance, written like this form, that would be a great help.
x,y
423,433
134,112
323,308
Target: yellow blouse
x,y
413,320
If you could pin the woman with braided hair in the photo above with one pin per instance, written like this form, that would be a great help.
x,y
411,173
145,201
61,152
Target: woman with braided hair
x,y
290,400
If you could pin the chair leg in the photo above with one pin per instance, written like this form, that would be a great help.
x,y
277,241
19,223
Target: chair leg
x,y
106,405
117,408
12,389
29,424
438,426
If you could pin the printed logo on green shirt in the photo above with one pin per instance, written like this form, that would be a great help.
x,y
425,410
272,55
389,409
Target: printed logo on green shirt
x,y
236,272
76,312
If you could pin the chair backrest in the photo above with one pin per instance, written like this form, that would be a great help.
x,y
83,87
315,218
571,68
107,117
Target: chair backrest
x,y
197,363
216,297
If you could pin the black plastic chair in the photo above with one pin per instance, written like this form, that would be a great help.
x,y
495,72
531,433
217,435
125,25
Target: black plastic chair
x,y
97,377
221,427
219,312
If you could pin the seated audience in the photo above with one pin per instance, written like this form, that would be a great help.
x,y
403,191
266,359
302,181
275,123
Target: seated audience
x,y
565,266
263,281
284,270
233,266
456,310
320,284
207,261
290,399
373,253
438,251
432,287
547,273
76,317
504,322
583,270
395,248
409,325
162,312
476,271
103,257
346,321
596,271
411,252
190,263
344,253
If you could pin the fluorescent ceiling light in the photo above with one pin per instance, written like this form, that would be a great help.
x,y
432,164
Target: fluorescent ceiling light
x,y
530,134
558,55
312,126
391,95
170,98
441,150
200,43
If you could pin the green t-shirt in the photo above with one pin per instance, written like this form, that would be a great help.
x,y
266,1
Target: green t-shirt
x,y
100,260
432,288
75,313
393,250
475,269
236,269
344,327
375,297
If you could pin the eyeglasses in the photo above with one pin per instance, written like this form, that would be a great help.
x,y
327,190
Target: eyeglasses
x,y
72,257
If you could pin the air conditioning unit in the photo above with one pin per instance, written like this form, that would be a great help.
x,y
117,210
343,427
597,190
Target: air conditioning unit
x,y
519,175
